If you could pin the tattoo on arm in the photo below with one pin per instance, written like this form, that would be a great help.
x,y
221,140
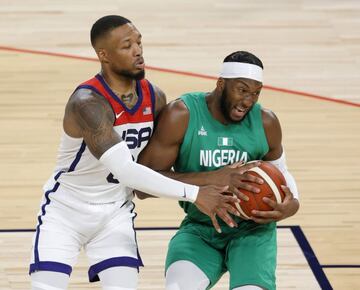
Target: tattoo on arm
x,y
95,118
160,101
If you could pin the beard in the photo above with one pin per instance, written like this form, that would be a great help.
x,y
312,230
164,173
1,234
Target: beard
x,y
133,76
225,106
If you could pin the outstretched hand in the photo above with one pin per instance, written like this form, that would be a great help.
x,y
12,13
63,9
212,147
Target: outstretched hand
x,y
280,211
212,202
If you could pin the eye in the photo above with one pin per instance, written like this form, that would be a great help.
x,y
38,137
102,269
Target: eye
x,y
242,90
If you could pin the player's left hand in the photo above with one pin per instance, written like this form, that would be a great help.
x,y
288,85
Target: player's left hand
x,y
280,211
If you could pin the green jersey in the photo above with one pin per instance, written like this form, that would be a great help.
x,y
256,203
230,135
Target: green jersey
x,y
209,145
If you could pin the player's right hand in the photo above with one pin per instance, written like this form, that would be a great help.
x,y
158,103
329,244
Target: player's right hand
x,y
212,202
237,177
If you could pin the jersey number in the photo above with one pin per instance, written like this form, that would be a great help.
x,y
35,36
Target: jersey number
x,y
110,178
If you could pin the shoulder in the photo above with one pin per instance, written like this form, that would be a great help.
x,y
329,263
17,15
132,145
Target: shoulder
x,y
177,109
177,105
82,98
160,99
159,93
269,119
86,108
172,122
272,128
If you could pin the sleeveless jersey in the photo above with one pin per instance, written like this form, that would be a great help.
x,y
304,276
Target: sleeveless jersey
x,y
78,172
209,145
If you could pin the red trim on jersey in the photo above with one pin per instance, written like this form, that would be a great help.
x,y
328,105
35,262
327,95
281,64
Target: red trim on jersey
x,y
142,111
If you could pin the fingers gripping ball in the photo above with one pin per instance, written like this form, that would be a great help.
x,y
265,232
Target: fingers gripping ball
x,y
271,188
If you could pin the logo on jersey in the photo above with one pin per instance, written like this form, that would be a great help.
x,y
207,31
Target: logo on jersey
x,y
221,157
225,141
119,115
146,111
134,138
202,131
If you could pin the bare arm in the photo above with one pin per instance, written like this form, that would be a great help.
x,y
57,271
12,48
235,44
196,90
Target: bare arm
x,y
273,135
89,116
290,205
160,101
162,150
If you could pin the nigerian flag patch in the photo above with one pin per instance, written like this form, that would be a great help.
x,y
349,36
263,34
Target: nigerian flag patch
x,y
225,141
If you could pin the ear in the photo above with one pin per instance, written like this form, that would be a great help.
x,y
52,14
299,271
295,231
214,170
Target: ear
x,y
102,55
220,84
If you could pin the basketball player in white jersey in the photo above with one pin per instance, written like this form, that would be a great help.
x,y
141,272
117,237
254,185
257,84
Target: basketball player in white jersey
x,y
87,200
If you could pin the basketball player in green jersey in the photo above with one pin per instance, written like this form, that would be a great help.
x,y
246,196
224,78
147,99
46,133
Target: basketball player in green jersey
x,y
198,134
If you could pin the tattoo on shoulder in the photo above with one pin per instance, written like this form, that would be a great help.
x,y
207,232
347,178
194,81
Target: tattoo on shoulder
x,y
160,101
95,118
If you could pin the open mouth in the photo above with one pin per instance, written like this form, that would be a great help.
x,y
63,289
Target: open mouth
x,y
240,109
238,112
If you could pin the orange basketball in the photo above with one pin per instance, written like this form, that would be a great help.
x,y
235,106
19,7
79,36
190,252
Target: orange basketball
x,y
271,188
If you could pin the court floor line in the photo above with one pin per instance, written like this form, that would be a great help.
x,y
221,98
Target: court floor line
x,y
340,266
303,94
311,258
299,235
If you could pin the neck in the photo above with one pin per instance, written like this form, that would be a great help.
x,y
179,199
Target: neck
x,y
213,101
119,84
124,88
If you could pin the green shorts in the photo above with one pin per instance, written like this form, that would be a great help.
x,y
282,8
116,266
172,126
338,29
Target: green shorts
x,y
247,252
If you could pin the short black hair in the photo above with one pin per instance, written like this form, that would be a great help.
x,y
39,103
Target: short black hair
x,y
244,56
104,25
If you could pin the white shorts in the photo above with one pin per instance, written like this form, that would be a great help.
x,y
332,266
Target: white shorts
x,y
66,224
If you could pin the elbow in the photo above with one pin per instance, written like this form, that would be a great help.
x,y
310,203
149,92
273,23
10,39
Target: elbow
x,y
142,195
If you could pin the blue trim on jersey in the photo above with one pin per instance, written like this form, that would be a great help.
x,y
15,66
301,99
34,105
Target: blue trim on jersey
x,y
89,87
140,95
56,177
36,253
51,266
133,225
94,270
43,211
153,98
78,157
124,204
115,97
92,88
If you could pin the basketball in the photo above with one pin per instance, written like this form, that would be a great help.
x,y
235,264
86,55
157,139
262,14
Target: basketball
x,y
271,188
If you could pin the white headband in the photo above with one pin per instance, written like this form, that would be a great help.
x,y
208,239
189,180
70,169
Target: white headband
x,y
232,70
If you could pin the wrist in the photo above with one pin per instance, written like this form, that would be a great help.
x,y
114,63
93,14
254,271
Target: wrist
x,y
212,177
191,192
294,207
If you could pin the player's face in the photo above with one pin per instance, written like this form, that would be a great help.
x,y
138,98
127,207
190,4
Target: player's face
x,y
125,53
238,97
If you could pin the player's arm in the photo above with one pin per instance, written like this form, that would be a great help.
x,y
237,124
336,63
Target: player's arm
x,y
89,116
163,148
160,102
276,155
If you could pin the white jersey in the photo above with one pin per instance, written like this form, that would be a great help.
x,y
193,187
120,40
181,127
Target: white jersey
x,y
79,173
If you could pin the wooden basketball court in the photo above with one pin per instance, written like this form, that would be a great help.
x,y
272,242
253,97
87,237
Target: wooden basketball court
x,y
320,246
